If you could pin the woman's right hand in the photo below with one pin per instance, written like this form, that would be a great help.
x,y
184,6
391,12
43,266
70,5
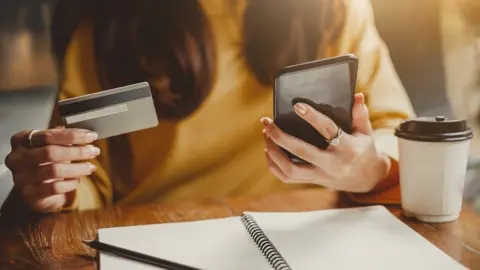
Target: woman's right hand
x,y
47,167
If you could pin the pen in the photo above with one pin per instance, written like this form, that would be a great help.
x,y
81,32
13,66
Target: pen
x,y
135,256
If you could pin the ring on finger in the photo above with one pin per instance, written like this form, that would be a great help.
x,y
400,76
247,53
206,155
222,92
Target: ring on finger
x,y
30,138
335,140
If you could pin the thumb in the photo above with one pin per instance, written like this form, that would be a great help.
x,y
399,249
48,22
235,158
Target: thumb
x,y
360,116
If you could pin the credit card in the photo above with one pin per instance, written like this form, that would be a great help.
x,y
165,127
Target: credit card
x,y
111,112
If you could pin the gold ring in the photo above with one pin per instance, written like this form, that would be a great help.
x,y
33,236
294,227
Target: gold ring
x,y
30,136
336,139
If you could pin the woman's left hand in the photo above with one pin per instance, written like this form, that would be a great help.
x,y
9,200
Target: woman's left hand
x,y
354,165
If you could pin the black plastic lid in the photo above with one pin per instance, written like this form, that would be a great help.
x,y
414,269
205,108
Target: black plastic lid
x,y
434,129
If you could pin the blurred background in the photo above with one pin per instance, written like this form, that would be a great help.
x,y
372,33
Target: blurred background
x,y
434,44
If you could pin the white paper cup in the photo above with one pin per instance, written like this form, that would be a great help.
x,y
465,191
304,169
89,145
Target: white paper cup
x,y
433,156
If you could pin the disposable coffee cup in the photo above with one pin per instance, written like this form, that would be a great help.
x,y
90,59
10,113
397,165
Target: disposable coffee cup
x,y
433,154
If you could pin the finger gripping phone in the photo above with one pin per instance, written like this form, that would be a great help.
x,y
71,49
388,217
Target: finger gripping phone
x,y
327,85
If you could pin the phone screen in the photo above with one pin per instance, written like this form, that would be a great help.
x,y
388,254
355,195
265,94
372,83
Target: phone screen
x,y
328,89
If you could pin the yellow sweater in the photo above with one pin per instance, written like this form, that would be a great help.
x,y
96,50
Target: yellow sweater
x,y
218,151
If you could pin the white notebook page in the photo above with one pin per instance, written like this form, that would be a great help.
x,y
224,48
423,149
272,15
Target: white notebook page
x,y
210,244
358,238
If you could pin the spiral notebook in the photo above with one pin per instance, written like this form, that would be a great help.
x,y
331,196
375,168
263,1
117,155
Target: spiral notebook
x,y
355,238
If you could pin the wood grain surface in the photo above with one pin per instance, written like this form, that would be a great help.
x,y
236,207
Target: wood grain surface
x,y
53,242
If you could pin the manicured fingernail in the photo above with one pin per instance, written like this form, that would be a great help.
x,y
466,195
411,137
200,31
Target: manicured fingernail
x,y
92,167
300,108
91,136
267,122
94,151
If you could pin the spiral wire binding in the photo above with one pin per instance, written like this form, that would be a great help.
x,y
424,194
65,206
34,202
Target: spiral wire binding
x,y
261,240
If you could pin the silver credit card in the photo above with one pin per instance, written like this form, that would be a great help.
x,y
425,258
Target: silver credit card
x,y
111,112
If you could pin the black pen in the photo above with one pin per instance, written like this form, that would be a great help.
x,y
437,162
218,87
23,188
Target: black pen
x,y
135,256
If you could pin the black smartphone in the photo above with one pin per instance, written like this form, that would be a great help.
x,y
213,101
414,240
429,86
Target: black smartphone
x,y
328,85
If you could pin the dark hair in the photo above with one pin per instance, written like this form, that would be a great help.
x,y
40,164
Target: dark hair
x,y
167,43
278,33
170,44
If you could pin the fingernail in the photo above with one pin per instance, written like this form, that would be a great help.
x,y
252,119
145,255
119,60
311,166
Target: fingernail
x,y
267,122
265,149
91,136
94,151
300,108
364,107
92,167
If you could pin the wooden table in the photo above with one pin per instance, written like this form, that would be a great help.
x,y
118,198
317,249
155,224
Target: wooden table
x,y
54,242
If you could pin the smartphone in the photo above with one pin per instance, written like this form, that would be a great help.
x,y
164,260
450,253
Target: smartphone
x,y
328,85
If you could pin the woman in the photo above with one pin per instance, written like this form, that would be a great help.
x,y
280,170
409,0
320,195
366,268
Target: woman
x,y
210,65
